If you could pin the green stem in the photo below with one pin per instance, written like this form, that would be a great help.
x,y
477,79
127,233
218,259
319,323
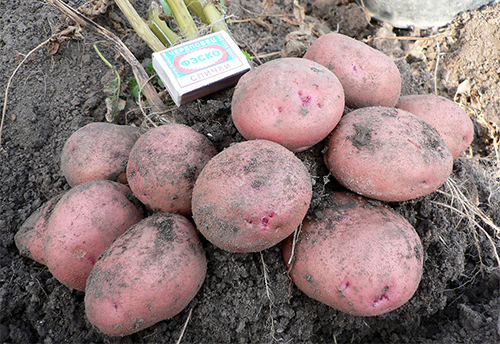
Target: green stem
x,y
139,25
159,27
197,8
214,17
208,13
183,18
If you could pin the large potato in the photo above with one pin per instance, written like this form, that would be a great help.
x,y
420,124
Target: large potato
x,y
251,196
359,257
388,154
84,222
30,239
450,120
148,274
291,101
369,77
98,151
164,164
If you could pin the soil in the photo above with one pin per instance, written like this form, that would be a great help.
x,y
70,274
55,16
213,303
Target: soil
x,y
248,298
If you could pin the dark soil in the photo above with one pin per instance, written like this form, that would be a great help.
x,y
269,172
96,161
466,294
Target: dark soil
x,y
248,298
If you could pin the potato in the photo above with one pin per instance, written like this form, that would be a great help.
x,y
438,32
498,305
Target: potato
x,y
360,257
388,154
251,196
148,274
291,101
98,151
450,120
369,77
30,238
84,222
164,164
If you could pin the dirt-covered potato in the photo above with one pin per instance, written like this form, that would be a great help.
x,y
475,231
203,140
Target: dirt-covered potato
x,y
164,164
369,77
148,274
388,154
450,120
291,101
84,222
98,151
30,238
251,196
359,257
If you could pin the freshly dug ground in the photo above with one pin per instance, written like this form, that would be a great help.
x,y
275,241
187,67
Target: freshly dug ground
x,y
248,298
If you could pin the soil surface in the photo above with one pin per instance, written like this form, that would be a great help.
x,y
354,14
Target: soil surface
x,y
248,298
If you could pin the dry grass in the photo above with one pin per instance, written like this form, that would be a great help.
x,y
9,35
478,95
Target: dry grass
x,y
6,94
470,211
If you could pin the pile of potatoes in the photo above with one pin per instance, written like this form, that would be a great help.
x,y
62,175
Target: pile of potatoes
x,y
127,232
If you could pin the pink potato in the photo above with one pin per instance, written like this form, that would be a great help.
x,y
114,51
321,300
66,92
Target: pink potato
x,y
84,222
360,257
388,154
291,101
251,196
30,238
164,164
369,77
148,274
98,151
450,120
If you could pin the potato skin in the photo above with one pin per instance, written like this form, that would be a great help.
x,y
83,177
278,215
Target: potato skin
x,y
148,274
369,77
388,154
251,196
98,151
291,101
30,238
450,120
84,222
360,257
164,164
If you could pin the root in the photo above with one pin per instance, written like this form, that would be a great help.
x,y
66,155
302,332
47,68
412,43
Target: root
x,y
463,206
184,327
296,234
6,96
270,297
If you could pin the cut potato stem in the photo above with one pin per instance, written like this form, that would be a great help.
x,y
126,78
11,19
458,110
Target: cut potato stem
x,y
160,27
208,13
140,26
183,18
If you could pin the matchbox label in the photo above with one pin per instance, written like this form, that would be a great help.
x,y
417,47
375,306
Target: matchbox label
x,y
196,60
202,59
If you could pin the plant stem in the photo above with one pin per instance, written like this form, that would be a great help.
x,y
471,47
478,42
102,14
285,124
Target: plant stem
x,y
214,17
183,18
197,8
139,25
208,13
159,27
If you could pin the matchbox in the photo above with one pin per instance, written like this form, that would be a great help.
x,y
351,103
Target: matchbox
x,y
201,66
